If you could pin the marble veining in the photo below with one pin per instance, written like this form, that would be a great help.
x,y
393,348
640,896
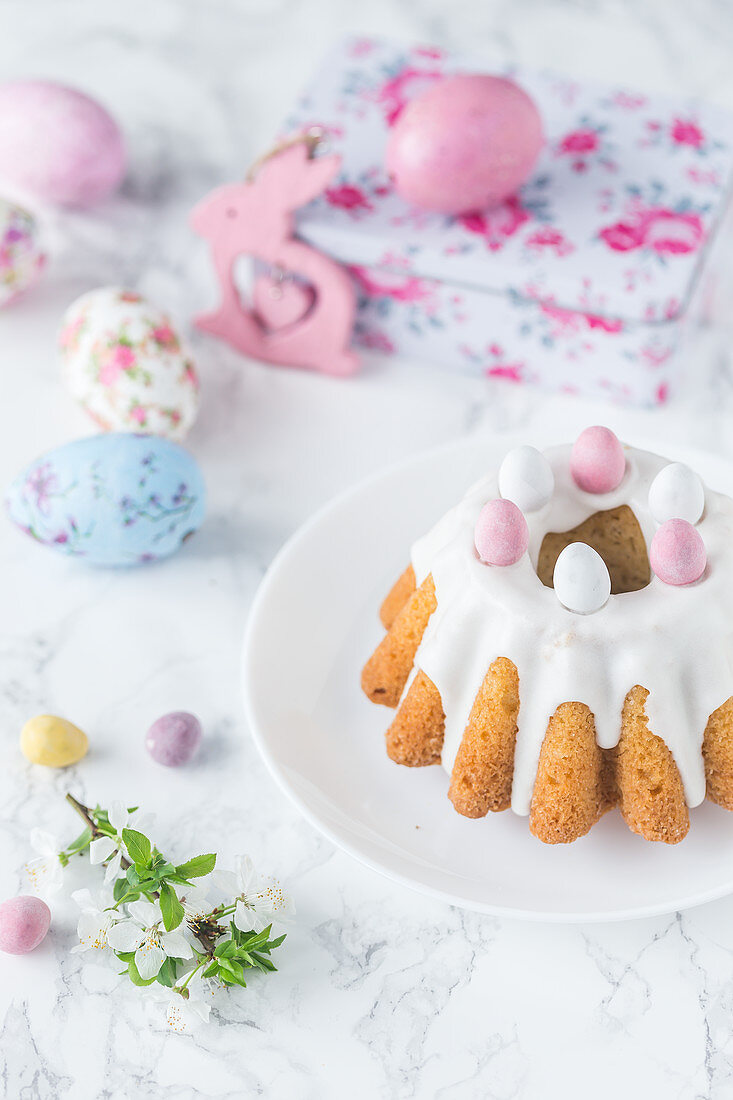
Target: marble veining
x,y
381,993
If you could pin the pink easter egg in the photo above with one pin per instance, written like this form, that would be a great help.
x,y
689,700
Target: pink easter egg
x,y
465,144
501,535
24,922
677,553
57,143
597,461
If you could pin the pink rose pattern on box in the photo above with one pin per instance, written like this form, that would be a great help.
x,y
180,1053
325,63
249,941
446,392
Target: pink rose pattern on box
x,y
611,224
124,363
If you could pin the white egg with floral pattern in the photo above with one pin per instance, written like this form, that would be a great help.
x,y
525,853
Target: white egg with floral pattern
x,y
123,361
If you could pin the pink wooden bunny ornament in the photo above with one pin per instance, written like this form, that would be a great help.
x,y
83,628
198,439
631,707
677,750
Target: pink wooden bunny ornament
x,y
299,324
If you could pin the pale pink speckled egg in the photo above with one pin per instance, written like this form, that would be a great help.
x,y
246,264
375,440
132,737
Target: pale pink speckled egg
x,y
24,922
597,461
465,144
58,144
677,553
501,535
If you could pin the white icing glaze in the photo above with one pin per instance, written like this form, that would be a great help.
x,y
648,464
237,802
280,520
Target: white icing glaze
x,y
676,642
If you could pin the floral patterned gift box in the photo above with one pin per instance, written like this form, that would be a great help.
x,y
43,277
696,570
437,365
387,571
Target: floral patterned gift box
x,y
584,282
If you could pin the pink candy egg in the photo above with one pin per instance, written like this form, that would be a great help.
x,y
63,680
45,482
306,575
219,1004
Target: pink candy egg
x,y
465,144
24,922
677,553
501,534
597,461
57,143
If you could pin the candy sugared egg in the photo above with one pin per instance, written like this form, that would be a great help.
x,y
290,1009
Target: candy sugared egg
x,y
52,741
597,460
677,553
465,144
21,258
501,535
581,579
57,144
122,360
113,499
526,478
174,738
24,923
677,493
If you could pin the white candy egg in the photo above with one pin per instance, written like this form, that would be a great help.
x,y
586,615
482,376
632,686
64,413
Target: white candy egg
x,y
525,478
677,493
581,579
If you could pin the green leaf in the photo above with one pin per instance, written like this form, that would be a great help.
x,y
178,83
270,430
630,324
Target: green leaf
x,y
120,889
198,866
125,956
263,962
137,845
225,950
132,876
134,973
211,970
82,841
167,973
178,879
170,907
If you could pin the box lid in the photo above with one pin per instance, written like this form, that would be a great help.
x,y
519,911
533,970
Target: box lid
x,y
614,221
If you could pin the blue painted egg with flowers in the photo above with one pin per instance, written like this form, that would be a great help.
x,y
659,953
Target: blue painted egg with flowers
x,y
115,499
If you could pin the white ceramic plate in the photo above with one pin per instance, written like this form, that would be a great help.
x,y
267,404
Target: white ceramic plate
x,y
313,625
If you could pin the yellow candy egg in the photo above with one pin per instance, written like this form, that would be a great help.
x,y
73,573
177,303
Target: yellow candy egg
x,y
52,741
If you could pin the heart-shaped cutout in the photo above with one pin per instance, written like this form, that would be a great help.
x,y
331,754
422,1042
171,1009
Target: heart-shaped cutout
x,y
281,302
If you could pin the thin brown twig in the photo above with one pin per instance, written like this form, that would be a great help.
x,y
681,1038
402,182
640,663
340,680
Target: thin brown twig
x,y
85,815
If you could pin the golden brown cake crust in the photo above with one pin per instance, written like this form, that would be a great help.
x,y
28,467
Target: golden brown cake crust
x,y
576,780
650,789
717,751
616,535
572,789
482,773
415,738
397,597
385,673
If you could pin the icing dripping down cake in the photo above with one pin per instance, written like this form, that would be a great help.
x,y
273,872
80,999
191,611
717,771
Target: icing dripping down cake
x,y
561,643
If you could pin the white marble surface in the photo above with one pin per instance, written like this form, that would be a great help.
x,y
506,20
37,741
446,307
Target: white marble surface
x,y
381,993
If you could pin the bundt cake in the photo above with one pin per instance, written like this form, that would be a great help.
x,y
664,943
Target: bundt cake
x,y
561,643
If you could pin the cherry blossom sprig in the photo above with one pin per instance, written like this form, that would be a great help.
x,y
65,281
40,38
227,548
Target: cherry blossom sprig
x,y
167,930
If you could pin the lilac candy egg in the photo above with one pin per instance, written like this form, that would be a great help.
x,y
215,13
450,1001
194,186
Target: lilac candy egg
x,y
58,144
501,535
597,461
467,143
173,739
24,923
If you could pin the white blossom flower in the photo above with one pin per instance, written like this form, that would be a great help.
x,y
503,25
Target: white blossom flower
x,y
45,873
187,1010
197,907
111,847
95,921
259,901
144,933
194,899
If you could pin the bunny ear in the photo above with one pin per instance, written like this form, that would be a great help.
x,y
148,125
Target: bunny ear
x,y
319,171
291,178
